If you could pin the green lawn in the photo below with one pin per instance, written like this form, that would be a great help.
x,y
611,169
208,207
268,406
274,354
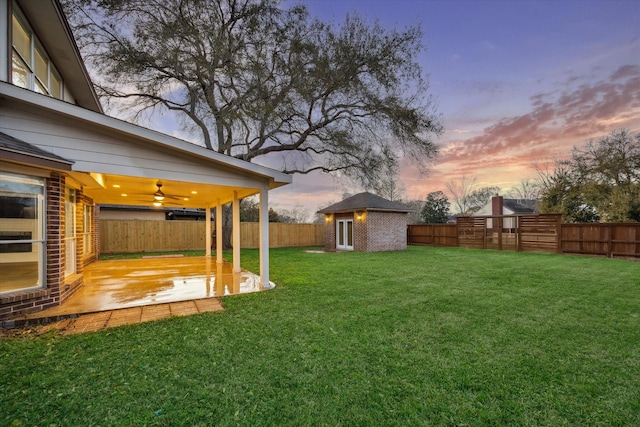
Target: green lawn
x,y
430,336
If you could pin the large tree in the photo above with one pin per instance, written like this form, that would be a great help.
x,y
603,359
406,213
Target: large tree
x,y
435,209
601,181
254,78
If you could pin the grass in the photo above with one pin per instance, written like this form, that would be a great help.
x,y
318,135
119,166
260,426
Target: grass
x,y
430,336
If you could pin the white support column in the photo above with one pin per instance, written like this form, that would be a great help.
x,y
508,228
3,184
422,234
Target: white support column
x,y
219,233
207,219
264,237
236,233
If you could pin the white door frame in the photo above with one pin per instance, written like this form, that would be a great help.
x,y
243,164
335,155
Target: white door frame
x,y
342,234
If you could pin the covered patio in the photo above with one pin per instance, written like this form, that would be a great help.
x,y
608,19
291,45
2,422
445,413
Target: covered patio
x,y
109,161
157,281
116,284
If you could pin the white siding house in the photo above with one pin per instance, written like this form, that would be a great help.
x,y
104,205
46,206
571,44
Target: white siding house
x,y
60,156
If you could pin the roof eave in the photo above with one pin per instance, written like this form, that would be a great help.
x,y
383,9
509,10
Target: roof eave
x,y
58,107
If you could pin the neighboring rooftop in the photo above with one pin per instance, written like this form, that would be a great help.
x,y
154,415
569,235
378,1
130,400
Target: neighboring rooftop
x,y
520,205
365,201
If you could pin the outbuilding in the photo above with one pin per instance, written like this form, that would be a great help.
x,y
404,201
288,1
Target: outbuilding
x,y
365,223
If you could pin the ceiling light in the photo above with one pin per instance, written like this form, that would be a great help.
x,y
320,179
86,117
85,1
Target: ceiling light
x,y
194,192
157,204
116,185
124,194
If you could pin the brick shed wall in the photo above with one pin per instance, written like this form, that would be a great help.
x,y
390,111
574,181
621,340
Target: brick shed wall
x,y
386,231
374,232
330,231
330,234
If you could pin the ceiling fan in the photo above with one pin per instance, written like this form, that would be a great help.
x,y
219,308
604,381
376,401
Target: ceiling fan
x,y
160,198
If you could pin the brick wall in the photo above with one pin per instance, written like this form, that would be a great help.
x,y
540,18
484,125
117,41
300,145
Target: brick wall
x,y
360,232
330,234
386,231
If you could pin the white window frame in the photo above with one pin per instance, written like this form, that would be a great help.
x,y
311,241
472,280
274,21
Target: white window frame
x,y
70,238
40,239
34,44
86,229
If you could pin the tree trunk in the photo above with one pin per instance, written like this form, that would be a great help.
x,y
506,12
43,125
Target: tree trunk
x,y
227,226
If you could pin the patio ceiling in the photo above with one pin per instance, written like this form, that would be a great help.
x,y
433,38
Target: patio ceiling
x,y
135,191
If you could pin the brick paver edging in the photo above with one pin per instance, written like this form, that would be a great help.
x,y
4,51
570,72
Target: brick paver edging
x,y
89,322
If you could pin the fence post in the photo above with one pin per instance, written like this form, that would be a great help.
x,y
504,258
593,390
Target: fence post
x,y
559,234
484,233
609,248
518,235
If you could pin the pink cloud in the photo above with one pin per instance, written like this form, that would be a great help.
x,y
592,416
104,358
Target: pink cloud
x,y
575,112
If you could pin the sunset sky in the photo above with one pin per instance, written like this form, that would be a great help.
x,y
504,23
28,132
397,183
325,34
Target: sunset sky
x,y
516,82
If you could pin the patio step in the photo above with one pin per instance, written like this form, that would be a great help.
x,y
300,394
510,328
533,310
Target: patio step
x,y
87,322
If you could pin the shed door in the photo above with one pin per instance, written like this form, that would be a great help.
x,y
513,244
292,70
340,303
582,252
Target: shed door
x,y
344,234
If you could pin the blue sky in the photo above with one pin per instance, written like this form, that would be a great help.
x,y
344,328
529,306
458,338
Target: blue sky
x,y
516,82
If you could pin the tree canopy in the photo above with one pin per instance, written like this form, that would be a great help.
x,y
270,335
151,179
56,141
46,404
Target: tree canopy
x,y
252,78
600,182
435,209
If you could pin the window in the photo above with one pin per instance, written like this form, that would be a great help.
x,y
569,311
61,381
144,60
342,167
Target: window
x,y
31,67
70,231
21,232
86,230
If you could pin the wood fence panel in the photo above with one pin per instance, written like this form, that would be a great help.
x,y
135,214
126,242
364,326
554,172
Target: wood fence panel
x,y
282,235
445,235
602,239
150,235
420,234
432,234
471,232
153,235
250,235
540,233
625,240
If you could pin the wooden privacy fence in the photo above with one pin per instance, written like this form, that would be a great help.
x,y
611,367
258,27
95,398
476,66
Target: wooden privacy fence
x,y
532,233
150,236
433,234
282,235
611,239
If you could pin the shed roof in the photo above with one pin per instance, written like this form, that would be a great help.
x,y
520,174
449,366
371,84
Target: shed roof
x,y
19,150
365,201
